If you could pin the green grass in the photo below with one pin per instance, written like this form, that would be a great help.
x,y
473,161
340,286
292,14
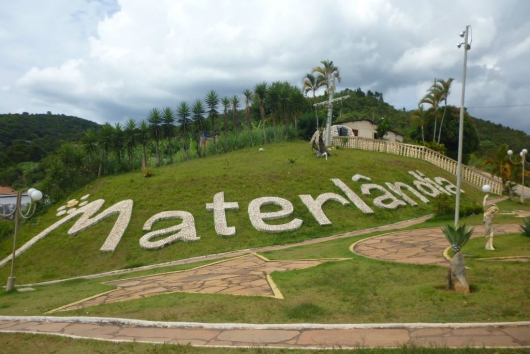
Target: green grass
x,y
358,290
243,176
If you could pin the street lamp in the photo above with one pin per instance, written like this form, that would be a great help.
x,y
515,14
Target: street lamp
x,y
522,162
467,46
35,196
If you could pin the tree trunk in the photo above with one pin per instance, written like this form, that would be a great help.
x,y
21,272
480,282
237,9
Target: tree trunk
x,y
458,274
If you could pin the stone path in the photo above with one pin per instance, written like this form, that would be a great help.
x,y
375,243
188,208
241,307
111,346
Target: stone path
x,y
314,336
422,246
248,275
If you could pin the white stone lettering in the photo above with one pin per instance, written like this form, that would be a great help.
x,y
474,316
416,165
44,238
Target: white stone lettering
x,y
315,205
355,199
186,230
451,188
396,188
257,217
124,208
387,196
218,207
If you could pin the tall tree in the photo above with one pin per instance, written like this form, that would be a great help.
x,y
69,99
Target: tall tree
x,y
260,90
297,103
168,129
144,136
155,123
248,101
499,163
130,137
90,144
444,86
235,106
433,98
326,76
118,141
419,117
225,101
105,136
212,101
184,113
198,121
272,102
310,84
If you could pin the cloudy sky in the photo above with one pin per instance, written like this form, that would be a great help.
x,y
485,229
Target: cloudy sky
x,y
110,60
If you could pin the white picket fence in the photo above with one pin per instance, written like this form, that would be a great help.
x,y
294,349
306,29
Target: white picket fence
x,y
476,178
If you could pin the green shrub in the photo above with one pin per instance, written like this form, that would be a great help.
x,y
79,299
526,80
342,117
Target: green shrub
x,y
525,229
443,205
7,228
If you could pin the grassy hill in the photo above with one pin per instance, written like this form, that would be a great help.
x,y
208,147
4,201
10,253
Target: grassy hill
x,y
283,170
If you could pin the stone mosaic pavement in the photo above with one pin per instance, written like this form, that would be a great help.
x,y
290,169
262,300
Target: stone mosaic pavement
x,y
246,275
249,275
301,336
421,246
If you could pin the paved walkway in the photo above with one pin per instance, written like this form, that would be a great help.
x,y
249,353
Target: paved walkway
x,y
316,336
421,246
249,275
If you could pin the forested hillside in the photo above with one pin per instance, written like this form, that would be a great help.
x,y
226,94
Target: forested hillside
x,y
26,139
30,137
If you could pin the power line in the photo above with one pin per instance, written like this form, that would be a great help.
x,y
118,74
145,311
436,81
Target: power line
x,y
515,105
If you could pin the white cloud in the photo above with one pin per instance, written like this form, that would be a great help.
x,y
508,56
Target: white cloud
x,y
109,61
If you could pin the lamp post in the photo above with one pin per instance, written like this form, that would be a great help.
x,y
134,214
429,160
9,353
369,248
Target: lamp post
x,y
465,35
522,162
35,196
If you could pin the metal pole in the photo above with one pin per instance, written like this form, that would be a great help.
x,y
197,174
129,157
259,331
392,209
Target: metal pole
x,y
523,156
11,279
330,111
461,134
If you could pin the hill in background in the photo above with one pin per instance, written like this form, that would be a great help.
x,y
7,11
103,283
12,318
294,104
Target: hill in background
x,y
31,137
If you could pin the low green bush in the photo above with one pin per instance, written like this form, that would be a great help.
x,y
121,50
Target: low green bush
x,y
525,229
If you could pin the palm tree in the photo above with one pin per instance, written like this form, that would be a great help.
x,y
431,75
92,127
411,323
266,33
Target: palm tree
x,y
433,98
260,90
198,120
90,144
130,133
445,88
212,101
272,98
225,101
310,84
500,163
105,137
91,148
248,100
168,128
457,237
144,138
420,116
117,141
184,113
235,105
297,103
326,75
155,121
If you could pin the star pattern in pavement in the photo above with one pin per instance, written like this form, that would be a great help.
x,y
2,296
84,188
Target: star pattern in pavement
x,y
245,275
